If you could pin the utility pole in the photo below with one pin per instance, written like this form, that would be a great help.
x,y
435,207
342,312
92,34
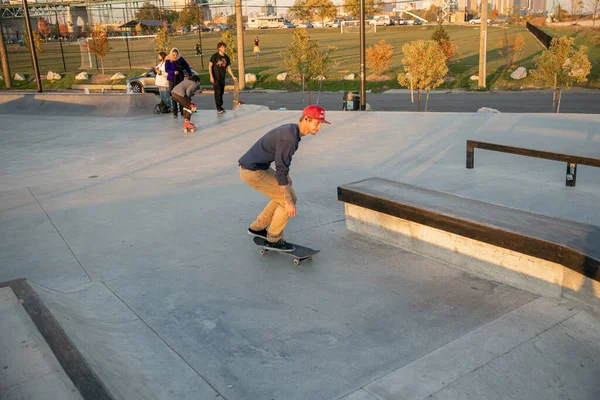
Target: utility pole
x,y
4,57
34,59
483,44
200,38
239,21
363,75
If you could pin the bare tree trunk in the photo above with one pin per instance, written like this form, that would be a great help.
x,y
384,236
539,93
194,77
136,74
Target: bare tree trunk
x,y
102,64
4,58
302,89
558,101
554,95
427,100
412,96
419,99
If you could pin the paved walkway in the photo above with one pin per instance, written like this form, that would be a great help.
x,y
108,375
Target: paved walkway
x,y
134,237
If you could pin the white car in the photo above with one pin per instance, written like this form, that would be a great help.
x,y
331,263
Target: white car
x,y
477,21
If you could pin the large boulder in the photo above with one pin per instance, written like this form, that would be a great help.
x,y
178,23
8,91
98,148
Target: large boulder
x,y
349,77
519,73
53,76
82,76
249,78
117,76
19,77
282,76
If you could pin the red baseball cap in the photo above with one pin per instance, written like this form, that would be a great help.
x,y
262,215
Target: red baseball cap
x,y
315,112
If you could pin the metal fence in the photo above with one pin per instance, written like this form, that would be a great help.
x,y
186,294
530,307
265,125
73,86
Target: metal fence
x,y
542,36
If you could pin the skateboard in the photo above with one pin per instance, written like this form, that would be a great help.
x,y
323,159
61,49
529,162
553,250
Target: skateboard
x,y
300,253
236,95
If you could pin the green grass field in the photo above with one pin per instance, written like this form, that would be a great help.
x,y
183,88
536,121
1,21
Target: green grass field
x,y
275,41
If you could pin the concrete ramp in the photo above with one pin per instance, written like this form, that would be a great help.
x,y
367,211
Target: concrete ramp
x,y
76,104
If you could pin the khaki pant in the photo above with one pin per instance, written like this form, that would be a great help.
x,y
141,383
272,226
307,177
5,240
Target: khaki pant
x,y
274,216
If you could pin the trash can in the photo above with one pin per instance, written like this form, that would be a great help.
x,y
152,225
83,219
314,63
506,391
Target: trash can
x,y
351,101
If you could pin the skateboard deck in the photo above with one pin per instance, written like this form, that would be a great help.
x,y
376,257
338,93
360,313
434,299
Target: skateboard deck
x,y
236,95
300,253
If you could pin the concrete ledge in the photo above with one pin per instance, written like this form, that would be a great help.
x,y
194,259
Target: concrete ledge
x,y
540,254
78,104
74,365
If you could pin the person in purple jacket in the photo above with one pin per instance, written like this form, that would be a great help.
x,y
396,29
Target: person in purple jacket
x,y
175,66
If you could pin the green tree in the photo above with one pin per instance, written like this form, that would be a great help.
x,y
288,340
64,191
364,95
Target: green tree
x,y
231,50
190,15
231,21
372,7
323,9
170,16
379,56
162,40
424,66
300,11
440,33
305,60
561,66
432,13
99,45
441,36
148,11
36,40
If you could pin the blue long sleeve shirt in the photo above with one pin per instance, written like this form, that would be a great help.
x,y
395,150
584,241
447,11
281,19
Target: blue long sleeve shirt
x,y
278,146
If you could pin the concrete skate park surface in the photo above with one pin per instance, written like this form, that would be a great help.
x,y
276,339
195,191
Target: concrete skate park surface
x,y
134,236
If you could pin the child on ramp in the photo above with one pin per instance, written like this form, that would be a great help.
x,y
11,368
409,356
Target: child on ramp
x,y
182,94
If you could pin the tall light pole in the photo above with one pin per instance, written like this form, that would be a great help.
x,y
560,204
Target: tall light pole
x,y
239,21
363,76
483,44
34,59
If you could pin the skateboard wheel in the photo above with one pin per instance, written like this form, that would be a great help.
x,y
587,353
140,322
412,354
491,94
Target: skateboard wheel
x,y
262,251
296,262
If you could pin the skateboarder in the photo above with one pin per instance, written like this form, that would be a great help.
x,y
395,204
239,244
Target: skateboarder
x,y
219,63
182,94
278,146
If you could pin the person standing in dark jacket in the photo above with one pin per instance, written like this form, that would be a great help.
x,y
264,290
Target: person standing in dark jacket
x,y
278,146
218,65
175,66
